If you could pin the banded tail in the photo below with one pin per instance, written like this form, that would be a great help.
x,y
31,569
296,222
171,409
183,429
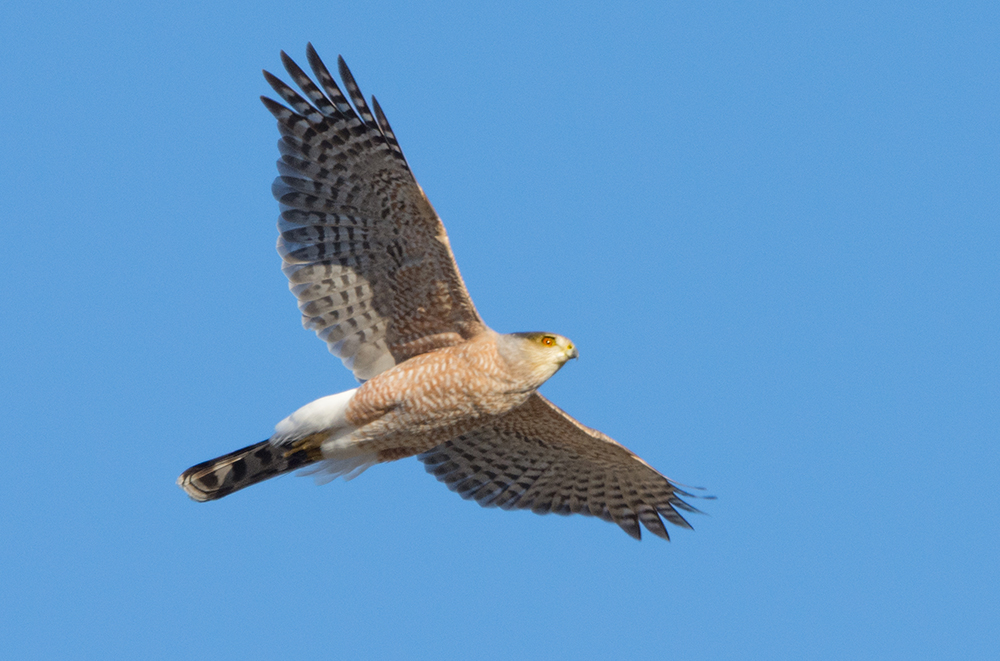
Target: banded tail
x,y
231,472
297,442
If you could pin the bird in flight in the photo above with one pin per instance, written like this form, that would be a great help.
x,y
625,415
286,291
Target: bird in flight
x,y
369,261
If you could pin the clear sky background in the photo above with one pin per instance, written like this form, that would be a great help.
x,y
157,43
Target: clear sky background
x,y
771,229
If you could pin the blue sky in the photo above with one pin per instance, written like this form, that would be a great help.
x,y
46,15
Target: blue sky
x,y
772,231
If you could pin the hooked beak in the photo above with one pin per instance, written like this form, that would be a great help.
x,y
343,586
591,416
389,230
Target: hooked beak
x,y
572,353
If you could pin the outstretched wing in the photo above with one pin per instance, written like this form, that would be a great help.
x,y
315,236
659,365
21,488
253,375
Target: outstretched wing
x,y
364,251
539,458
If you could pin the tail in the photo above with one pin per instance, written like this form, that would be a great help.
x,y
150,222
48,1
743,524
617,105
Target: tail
x,y
231,472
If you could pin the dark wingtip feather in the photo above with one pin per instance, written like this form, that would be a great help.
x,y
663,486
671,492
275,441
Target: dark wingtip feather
x,y
328,83
276,83
279,111
634,531
357,97
651,519
680,504
387,132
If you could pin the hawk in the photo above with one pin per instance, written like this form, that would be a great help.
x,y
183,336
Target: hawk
x,y
369,261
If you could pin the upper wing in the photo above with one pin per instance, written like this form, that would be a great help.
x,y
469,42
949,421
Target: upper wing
x,y
364,251
539,458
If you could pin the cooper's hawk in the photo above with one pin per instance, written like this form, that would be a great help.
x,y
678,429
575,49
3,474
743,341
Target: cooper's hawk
x,y
369,261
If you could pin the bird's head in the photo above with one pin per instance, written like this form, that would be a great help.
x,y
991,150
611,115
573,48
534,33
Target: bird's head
x,y
536,356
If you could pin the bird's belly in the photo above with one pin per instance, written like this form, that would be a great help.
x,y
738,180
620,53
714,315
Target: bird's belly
x,y
421,421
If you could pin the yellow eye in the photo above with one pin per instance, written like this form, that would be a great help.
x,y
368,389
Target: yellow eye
x,y
548,341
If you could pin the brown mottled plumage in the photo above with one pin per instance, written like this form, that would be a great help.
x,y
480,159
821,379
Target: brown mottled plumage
x,y
370,263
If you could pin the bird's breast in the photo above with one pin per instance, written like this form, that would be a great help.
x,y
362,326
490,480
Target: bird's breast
x,y
438,389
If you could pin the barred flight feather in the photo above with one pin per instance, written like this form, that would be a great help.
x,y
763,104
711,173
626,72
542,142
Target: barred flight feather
x,y
350,205
535,457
